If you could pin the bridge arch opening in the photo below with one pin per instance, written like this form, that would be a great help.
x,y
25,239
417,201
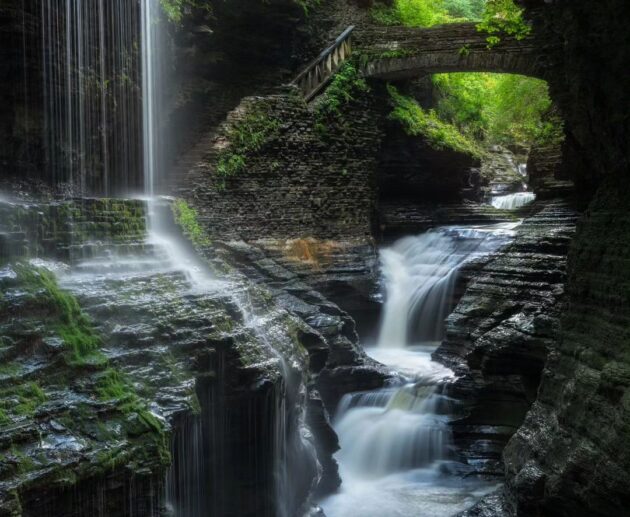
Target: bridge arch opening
x,y
472,138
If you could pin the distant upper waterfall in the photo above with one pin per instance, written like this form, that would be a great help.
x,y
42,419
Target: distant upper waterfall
x,y
420,273
513,201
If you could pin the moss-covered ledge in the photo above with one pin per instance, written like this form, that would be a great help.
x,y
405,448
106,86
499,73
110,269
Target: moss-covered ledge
x,y
67,416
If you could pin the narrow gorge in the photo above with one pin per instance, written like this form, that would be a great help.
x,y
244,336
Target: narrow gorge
x,y
314,258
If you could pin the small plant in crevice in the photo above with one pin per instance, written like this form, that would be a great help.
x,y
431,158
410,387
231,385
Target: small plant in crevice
x,y
307,5
188,219
175,9
347,85
247,136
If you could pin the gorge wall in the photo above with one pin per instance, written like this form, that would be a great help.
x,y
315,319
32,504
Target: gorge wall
x,y
570,458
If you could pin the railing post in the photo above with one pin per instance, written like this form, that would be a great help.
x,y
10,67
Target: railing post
x,y
316,75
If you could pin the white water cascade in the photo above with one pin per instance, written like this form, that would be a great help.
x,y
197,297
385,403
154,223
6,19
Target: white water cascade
x,y
397,457
513,201
420,274
154,54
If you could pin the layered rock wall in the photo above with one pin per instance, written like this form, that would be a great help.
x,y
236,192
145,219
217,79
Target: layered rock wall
x,y
498,336
570,456
304,180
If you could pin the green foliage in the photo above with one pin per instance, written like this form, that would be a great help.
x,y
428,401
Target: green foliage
x,y
412,13
503,17
471,10
188,219
496,108
175,9
495,17
517,109
385,15
246,136
418,122
426,13
71,325
461,101
346,85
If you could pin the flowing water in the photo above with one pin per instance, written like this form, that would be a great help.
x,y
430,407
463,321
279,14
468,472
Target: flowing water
x,y
513,201
397,457
91,106
420,273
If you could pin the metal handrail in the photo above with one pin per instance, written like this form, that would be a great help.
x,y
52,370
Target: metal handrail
x,y
320,71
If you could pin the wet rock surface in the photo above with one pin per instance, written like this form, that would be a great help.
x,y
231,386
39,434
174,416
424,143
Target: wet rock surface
x,y
500,169
501,331
400,218
173,356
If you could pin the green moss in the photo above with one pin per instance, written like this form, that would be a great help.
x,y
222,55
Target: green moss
x,y
188,219
396,53
9,369
418,122
71,324
345,87
113,386
4,417
247,136
30,396
25,464
66,319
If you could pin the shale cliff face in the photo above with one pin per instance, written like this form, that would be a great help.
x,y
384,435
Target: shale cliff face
x,y
571,455
498,336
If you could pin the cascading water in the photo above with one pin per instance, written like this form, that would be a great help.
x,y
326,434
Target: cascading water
x,y
189,496
420,274
154,55
396,456
513,201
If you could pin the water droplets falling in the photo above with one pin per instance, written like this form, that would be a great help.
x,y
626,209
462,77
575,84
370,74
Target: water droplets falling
x,y
90,77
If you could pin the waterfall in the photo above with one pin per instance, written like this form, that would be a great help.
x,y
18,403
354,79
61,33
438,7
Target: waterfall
x,y
397,456
91,110
420,274
407,430
513,201
154,54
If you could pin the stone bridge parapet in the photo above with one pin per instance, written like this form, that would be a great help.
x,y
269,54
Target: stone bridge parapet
x,y
394,53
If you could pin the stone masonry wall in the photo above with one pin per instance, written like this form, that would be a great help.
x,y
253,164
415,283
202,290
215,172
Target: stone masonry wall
x,y
305,180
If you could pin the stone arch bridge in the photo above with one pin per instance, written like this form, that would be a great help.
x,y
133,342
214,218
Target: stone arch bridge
x,y
394,53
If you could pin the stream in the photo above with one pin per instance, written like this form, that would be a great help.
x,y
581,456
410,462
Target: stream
x,y
397,456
